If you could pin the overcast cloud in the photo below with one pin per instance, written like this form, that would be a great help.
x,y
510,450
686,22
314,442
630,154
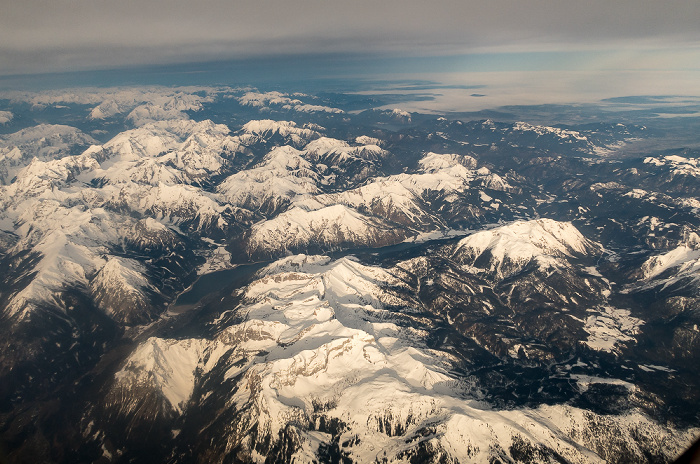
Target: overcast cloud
x,y
59,35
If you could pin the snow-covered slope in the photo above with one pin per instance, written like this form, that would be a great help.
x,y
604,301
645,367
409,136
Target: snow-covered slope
x,y
683,259
170,365
446,173
384,198
362,216
449,173
73,209
109,102
403,198
177,204
148,235
285,172
434,162
207,148
45,142
532,266
544,130
70,243
47,179
123,292
169,152
149,141
676,165
345,164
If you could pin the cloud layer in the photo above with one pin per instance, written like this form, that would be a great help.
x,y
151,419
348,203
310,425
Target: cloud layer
x,y
39,36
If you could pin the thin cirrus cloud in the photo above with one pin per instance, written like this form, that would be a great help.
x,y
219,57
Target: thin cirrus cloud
x,y
62,35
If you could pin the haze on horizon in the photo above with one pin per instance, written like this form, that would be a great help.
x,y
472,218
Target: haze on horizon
x,y
527,52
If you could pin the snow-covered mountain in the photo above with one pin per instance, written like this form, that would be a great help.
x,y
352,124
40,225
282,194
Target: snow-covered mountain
x,y
343,163
322,363
677,267
505,251
330,227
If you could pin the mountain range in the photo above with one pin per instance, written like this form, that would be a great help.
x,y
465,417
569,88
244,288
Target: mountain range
x,y
220,274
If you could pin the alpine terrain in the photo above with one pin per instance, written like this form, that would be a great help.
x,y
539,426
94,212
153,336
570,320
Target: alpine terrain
x,y
219,274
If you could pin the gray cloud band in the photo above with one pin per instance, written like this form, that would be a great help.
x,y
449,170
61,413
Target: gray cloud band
x,y
67,34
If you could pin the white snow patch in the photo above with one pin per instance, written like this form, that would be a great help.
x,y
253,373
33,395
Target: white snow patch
x,y
217,259
607,326
585,381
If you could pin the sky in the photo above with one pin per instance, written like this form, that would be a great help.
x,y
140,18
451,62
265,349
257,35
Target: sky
x,y
60,35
